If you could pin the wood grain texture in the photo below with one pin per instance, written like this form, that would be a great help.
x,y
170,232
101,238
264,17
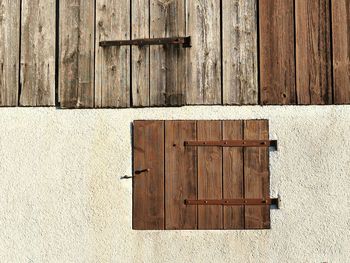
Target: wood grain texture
x,y
341,50
209,175
148,187
240,59
313,52
140,58
256,175
112,70
9,51
168,62
180,175
204,58
38,44
233,180
277,54
76,54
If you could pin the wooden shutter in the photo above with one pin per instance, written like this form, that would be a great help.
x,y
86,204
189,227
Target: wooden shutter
x,y
170,167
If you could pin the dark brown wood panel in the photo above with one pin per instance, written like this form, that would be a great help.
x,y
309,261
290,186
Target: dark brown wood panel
x,y
256,175
180,175
277,54
341,50
233,184
313,52
148,186
209,175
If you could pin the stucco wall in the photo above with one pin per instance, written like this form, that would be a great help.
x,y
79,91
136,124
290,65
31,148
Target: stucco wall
x,y
62,200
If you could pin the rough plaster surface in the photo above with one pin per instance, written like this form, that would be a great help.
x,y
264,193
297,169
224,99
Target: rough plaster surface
x,y
62,200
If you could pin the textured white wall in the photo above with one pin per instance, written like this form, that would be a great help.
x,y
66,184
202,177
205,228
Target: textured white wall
x,y
62,200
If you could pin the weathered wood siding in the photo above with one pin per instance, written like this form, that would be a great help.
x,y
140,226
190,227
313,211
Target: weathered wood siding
x,y
313,52
204,59
240,56
277,52
38,43
9,51
168,63
76,53
244,52
140,70
341,50
112,70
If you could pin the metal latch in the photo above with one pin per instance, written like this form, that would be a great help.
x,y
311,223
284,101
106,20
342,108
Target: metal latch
x,y
184,41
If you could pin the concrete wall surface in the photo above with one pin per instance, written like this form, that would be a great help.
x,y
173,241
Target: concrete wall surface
x,y
62,199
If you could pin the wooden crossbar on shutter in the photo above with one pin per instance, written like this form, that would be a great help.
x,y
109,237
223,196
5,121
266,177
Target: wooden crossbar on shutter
x,y
168,171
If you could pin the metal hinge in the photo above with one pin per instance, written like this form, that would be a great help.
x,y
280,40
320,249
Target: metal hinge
x,y
238,201
234,143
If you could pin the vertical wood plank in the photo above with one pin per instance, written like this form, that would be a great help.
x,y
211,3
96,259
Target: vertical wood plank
x,y
140,13
313,52
168,62
256,175
180,175
341,50
209,175
9,51
148,186
233,186
277,52
38,43
76,53
204,58
112,79
240,53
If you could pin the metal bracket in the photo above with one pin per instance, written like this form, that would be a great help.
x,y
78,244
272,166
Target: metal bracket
x,y
184,41
233,202
234,143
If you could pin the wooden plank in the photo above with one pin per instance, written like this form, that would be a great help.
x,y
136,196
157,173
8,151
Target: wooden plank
x,y
313,52
180,175
341,50
76,54
112,79
38,44
209,175
277,55
9,51
204,58
256,175
240,60
168,63
148,186
140,12
233,186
